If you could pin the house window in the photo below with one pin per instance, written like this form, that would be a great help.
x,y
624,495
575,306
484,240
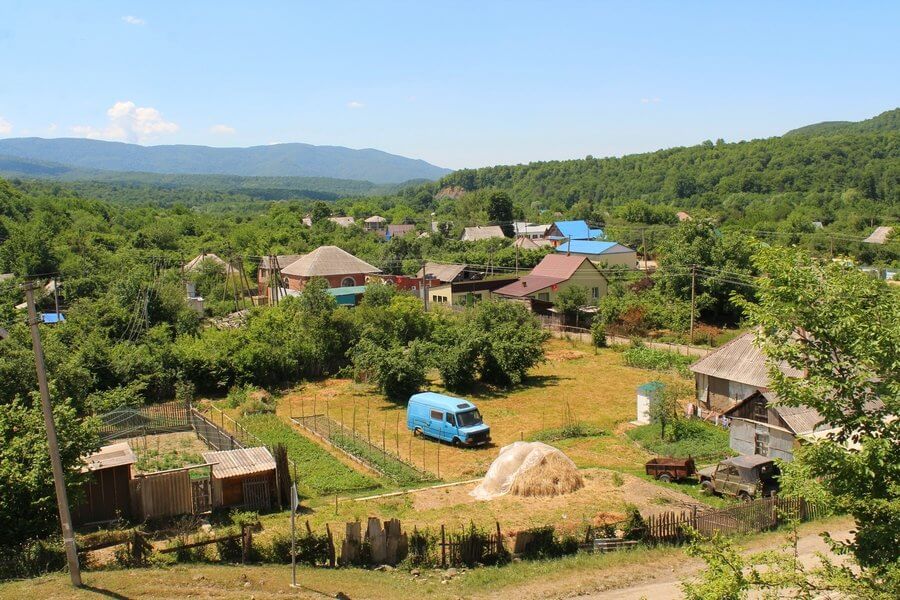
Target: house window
x,y
595,293
544,296
348,282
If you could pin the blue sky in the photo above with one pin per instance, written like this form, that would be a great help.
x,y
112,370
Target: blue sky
x,y
460,84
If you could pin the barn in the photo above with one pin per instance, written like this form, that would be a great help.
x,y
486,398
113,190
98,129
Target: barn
x,y
243,478
107,495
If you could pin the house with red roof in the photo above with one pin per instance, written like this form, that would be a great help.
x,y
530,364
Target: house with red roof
x,y
552,275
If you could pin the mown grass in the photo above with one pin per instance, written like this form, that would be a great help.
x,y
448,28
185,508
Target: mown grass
x,y
318,472
698,439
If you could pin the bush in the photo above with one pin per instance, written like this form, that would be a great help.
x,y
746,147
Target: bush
x,y
634,527
643,357
32,558
568,431
690,437
397,371
545,544
422,548
230,550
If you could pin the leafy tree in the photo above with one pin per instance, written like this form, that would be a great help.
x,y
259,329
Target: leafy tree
x,y
663,409
511,341
500,211
320,212
572,299
841,329
398,371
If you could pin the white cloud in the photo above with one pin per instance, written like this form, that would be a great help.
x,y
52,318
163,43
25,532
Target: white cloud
x,y
355,104
222,129
5,126
130,123
650,100
131,20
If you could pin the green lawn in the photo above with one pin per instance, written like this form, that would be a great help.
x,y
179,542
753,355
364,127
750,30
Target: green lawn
x,y
318,472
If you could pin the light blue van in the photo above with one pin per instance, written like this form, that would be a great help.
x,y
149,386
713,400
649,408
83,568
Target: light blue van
x,y
447,419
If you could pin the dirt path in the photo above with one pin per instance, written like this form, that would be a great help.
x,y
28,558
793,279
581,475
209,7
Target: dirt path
x,y
667,586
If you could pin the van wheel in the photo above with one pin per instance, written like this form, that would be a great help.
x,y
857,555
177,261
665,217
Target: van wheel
x,y
456,442
417,432
665,478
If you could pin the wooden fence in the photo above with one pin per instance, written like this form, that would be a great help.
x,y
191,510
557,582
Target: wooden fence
x,y
165,494
126,422
758,515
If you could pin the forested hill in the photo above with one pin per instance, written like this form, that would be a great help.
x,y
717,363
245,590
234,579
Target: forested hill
x,y
863,156
276,160
886,121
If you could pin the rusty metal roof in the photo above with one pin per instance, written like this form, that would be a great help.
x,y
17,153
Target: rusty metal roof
x,y
528,285
107,457
740,360
244,461
559,265
441,272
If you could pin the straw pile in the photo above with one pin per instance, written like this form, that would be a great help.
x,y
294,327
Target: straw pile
x,y
555,474
529,469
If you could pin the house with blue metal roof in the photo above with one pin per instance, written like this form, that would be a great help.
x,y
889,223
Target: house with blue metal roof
x,y
561,231
607,253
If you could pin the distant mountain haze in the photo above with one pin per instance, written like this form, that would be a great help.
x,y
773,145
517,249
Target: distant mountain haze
x,y
276,160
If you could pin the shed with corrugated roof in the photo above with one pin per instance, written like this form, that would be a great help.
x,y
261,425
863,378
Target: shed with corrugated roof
x,y
243,478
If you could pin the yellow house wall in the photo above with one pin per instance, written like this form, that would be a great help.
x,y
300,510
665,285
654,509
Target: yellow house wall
x,y
585,276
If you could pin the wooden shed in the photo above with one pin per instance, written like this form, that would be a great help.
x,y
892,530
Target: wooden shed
x,y
107,495
243,478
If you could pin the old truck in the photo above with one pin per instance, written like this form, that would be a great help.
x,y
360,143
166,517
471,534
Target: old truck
x,y
667,468
745,477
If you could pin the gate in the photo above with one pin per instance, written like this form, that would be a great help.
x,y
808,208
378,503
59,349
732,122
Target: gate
x,y
257,496
201,495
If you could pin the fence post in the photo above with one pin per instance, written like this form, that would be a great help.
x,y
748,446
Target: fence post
x,y
443,548
246,543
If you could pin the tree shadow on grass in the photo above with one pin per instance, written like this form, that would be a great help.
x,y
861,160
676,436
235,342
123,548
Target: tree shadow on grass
x,y
103,592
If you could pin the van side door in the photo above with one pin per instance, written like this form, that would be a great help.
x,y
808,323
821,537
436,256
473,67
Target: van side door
x,y
435,423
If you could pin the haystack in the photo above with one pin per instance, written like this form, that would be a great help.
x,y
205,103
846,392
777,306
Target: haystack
x,y
529,469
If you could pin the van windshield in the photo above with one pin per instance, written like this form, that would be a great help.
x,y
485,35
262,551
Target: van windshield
x,y
469,418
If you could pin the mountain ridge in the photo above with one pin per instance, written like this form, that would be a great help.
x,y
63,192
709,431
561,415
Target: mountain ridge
x,y
293,159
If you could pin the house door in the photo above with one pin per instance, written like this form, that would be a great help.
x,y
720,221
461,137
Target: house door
x,y
201,495
257,496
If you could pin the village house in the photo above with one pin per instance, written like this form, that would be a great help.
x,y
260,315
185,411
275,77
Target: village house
x,y
268,268
527,243
342,221
398,230
601,253
338,267
758,425
732,374
880,235
438,273
531,231
556,272
375,223
487,232
466,293
562,231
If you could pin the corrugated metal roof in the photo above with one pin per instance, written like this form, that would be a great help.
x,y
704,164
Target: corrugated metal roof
x,y
527,243
107,457
445,273
376,219
471,234
577,230
328,260
194,263
342,221
244,461
801,419
558,265
740,360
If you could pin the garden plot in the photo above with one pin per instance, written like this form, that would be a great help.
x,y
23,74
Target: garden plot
x,y
167,451
575,385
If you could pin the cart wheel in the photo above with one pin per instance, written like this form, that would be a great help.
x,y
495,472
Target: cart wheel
x,y
665,478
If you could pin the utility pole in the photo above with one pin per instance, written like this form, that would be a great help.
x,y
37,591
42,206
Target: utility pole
x,y
56,295
644,246
424,287
516,244
693,296
62,501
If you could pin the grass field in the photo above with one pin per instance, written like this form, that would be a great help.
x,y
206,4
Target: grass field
x,y
703,441
576,383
